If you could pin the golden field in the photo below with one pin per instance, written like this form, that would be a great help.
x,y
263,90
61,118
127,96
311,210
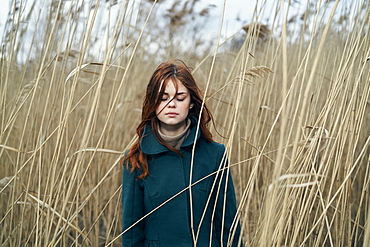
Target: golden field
x,y
294,115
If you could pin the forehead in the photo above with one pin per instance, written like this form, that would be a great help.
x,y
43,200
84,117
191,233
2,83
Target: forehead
x,y
171,86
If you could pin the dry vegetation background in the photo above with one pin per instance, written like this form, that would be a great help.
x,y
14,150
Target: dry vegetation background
x,y
293,112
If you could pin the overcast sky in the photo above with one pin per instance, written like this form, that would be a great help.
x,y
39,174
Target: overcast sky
x,y
3,15
242,9
235,9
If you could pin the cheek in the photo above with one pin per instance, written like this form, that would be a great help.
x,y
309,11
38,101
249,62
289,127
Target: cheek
x,y
186,107
159,108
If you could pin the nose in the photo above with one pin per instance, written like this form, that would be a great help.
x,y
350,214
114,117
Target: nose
x,y
172,103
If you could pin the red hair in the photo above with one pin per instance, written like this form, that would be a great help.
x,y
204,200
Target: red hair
x,y
177,71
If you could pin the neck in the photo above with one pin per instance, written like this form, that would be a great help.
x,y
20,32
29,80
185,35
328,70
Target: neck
x,y
172,130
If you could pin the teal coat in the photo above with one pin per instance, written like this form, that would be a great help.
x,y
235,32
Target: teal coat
x,y
169,173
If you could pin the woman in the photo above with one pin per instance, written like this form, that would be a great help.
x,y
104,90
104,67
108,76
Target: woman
x,y
175,150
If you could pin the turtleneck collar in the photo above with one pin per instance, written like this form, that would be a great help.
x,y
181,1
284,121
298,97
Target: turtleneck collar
x,y
176,140
150,145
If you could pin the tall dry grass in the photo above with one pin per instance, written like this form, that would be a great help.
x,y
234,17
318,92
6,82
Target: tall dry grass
x,y
293,115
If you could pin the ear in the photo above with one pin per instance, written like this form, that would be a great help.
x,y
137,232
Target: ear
x,y
191,105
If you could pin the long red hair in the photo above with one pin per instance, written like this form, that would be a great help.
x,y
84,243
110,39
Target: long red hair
x,y
177,71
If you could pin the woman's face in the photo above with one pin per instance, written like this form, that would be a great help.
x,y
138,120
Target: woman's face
x,y
173,110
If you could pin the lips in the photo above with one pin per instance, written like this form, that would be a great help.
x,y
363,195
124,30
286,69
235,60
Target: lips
x,y
171,114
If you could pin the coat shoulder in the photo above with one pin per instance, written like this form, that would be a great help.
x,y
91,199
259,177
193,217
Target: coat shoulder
x,y
215,147
218,146
212,151
127,172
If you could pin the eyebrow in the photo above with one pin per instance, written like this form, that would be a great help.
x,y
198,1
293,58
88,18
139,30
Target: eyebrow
x,y
179,93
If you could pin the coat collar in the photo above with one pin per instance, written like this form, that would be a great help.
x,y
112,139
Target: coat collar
x,y
150,145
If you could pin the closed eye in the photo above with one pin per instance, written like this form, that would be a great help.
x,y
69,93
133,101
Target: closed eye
x,y
181,99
